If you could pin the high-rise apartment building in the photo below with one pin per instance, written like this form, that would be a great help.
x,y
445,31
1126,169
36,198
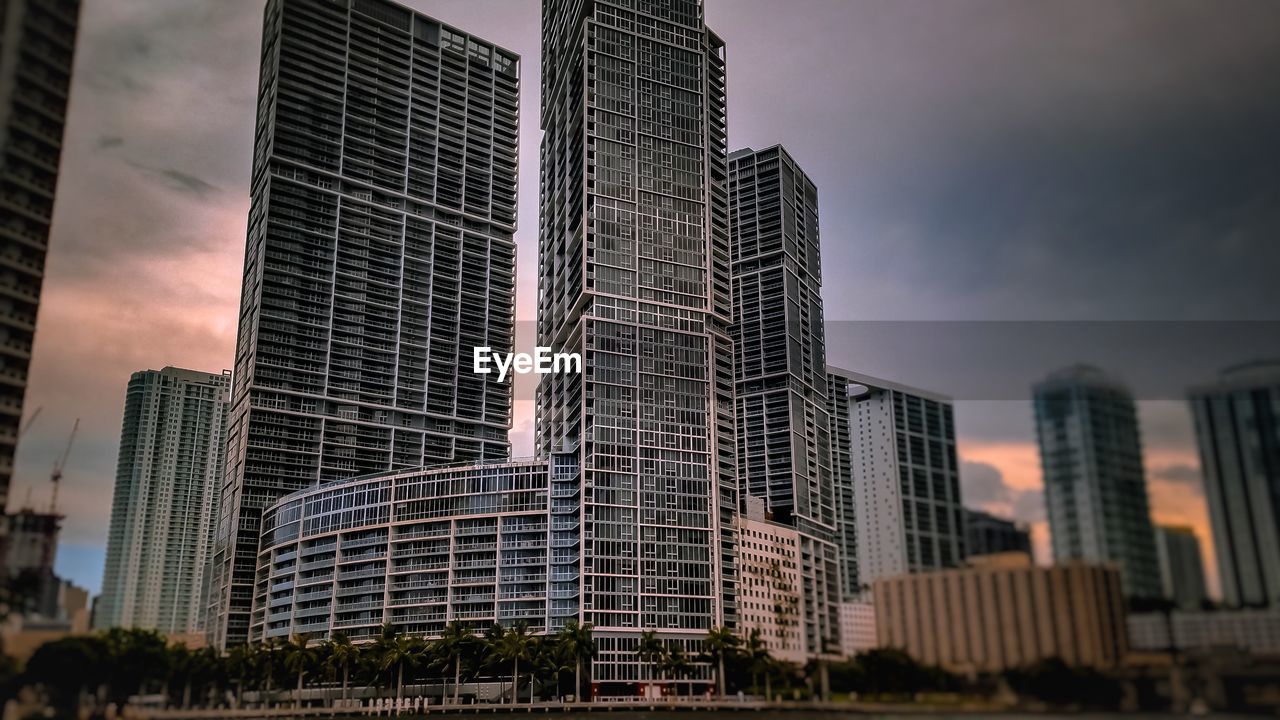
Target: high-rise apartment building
x,y
1237,420
37,46
168,479
1181,569
897,479
784,431
986,534
380,254
1095,490
634,256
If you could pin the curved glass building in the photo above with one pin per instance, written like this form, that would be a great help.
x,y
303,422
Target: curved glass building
x,y
483,543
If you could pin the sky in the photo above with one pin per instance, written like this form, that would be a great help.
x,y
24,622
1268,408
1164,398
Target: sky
x,y
996,177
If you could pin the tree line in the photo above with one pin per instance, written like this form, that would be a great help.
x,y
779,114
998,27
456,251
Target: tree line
x,y
111,667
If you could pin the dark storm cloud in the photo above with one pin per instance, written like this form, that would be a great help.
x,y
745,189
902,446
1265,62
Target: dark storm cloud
x,y
1045,160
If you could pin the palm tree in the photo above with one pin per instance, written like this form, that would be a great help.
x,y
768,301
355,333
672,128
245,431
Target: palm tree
x,y
242,662
720,643
581,647
451,647
340,655
300,658
268,657
516,644
758,660
398,652
676,664
651,651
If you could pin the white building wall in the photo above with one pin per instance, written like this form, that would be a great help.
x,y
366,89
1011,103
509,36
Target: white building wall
x,y
881,532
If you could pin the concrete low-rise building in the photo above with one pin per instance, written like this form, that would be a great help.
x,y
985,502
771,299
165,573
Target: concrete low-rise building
x,y
857,627
1003,612
770,587
1255,631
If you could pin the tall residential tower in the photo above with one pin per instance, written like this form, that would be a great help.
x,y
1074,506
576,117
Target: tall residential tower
x,y
784,431
380,254
1237,422
634,256
165,504
37,46
1095,489
897,480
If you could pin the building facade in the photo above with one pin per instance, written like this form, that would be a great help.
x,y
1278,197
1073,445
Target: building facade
x,y
897,479
784,430
858,627
1003,612
168,478
1254,630
1095,488
380,254
1181,568
418,549
987,534
1237,420
37,49
635,277
770,588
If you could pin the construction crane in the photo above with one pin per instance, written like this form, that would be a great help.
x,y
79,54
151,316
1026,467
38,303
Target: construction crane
x,y
55,477
30,421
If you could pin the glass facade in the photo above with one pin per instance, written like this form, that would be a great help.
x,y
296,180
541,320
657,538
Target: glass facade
x,y
1237,421
1095,487
897,480
784,429
380,253
37,48
172,450
417,549
634,255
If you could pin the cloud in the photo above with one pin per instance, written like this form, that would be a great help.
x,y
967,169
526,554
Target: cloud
x,y
106,142
1029,506
982,484
1182,474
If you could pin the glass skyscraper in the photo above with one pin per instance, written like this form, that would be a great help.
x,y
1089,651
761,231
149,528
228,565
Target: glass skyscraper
x,y
37,49
634,255
380,253
784,429
1237,420
1095,489
165,502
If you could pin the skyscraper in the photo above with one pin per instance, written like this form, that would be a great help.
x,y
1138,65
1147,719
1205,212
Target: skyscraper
x,y
986,534
380,254
37,46
1095,490
784,431
168,478
1237,421
1181,570
634,256
897,479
